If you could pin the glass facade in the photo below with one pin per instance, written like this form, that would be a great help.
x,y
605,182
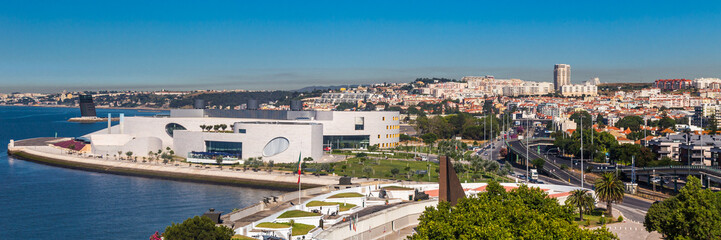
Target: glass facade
x,y
359,123
339,142
231,148
170,127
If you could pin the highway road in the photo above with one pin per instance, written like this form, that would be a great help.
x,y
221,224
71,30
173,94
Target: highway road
x,y
632,207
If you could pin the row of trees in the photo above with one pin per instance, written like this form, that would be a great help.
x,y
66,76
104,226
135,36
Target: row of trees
x,y
694,213
628,122
166,155
215,127
523,213
603,143
462,124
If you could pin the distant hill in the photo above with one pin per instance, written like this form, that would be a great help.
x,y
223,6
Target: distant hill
x,y
315,88
238,98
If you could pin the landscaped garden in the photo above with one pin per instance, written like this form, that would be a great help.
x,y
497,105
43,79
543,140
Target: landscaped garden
x,y
298,213
392,188
342,206
298,228
593,219
346,195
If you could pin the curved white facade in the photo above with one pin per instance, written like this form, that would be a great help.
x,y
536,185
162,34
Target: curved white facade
x,y
281,140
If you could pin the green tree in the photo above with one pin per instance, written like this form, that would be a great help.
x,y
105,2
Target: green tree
x,y
373,148
197,228
523,213
345,105
712,125
632,122
404,138
666,122
429,138
395,171
609,189
624,152
367,171
584,116
694,213
538,163
440,126
582,200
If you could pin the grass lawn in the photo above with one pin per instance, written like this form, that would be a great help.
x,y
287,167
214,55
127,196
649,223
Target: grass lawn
x,y
391,188
319,203
342,206
241,237
298,228
273,225
298,213
384,169
346,195
594,218
345,207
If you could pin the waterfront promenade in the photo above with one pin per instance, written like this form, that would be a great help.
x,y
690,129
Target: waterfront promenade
x,y
39,150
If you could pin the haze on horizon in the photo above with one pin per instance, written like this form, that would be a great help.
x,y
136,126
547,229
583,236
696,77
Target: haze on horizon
x,y
178,45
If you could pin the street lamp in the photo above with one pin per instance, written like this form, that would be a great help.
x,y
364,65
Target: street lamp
x,y
581,151
554,160
527,156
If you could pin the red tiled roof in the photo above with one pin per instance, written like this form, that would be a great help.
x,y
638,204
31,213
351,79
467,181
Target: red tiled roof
x,y
557,195
66,144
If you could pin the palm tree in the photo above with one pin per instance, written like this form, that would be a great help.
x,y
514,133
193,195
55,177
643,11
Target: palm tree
x,y
581,199
609,189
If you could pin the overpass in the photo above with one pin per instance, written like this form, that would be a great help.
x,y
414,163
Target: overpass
x,y
707,174
517,152
545,141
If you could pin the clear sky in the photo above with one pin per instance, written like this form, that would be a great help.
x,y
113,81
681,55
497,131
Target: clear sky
x,y
54,45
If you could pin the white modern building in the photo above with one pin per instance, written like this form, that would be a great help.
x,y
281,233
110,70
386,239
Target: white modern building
x,y
707,83
528,88
585,89
276,135
561,75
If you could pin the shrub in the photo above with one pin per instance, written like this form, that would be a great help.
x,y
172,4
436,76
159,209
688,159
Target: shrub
x,y
620,218
588,223
602,221
197,226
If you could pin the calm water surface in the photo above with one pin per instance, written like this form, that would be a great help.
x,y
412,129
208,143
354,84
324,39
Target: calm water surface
x,y
45,202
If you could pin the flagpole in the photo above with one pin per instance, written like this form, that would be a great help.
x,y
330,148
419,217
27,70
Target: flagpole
x,y
299,167
300,154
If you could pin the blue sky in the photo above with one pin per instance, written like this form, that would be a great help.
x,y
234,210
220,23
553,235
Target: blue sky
x,y
55,45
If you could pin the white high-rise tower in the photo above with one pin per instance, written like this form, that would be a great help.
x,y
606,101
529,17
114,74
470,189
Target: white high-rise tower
x,y
561,75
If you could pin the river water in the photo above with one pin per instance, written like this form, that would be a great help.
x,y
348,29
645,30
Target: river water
x,y
45,202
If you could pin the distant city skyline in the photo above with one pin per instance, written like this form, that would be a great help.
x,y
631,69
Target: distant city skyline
x,y
88,45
